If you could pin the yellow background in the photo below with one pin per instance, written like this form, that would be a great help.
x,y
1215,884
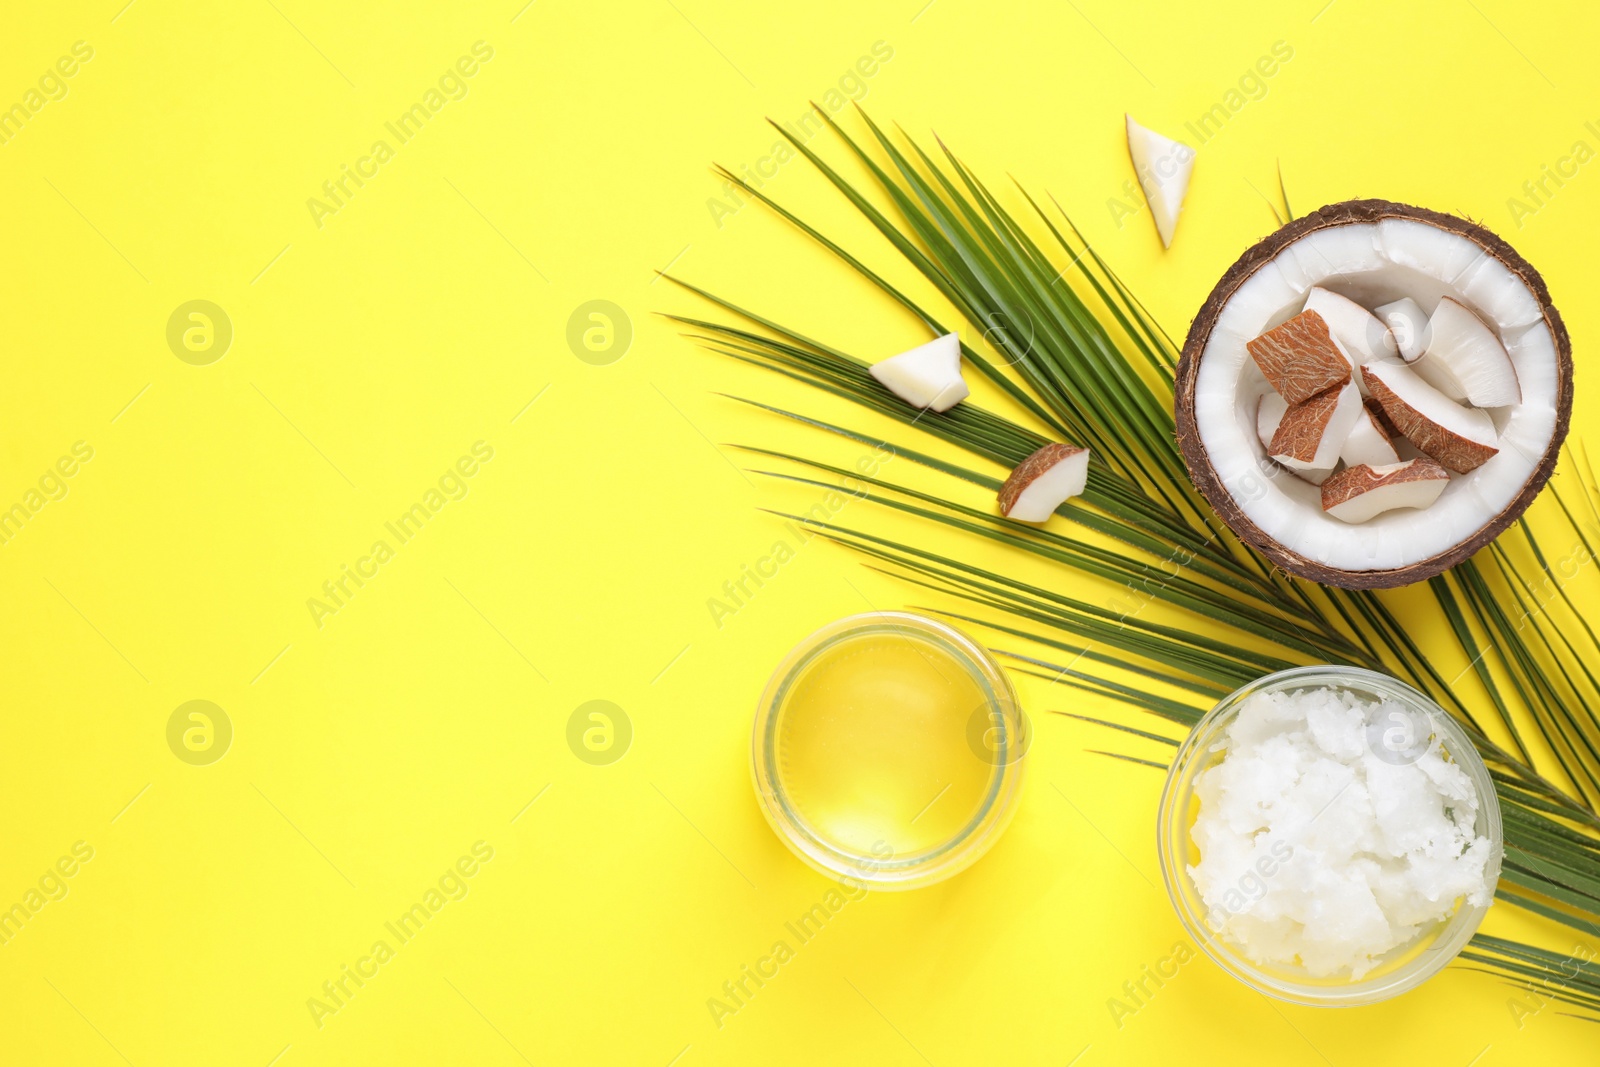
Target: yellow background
x,y
368,354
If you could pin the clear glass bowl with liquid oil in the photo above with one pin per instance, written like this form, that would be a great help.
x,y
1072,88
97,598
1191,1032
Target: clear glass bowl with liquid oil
x,y
889,748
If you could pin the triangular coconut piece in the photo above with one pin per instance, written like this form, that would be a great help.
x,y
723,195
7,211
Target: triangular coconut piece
x,y
1356,330
1299,358
1363,492
1368,444
928,376
1043,482
1408,325
1312,432
1162,166
1460,438
1466,361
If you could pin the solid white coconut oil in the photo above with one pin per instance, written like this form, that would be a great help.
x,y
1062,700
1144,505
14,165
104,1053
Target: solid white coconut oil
x,y
1334,830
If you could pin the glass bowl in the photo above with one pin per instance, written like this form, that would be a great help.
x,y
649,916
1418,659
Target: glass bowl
x,y
866,718
1403,968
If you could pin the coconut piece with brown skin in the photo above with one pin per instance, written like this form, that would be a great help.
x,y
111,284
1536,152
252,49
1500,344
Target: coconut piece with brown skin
x,y
1313,432
1043,482
1366,491
1377,253
1460,438
1300,359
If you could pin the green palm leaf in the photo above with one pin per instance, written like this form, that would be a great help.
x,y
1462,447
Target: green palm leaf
x,y
1077,355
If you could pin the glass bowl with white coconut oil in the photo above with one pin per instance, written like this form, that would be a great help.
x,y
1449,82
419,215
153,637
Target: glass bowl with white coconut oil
x,y
1330,836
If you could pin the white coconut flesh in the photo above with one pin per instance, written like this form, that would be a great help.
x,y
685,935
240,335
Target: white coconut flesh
x,y
1163,167
1375,265
1357,332
1368,444
1408,325
928,376
1465,360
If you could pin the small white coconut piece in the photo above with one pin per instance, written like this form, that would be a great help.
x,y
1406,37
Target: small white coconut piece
x,y
1364,491
1408,325
1358,333
1314,431
1162,166
928,376
1269,414
1461,438
1466,361
1043,482
1368,443
1299,358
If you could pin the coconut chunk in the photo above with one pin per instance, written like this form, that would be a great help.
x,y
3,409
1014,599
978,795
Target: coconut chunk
x,y
1466,361
928,376
1299,358
1269,413
1408,325
1368,443
1365,491
1163,167
1312,432
1043,482
1380,417
1355,330
1460,438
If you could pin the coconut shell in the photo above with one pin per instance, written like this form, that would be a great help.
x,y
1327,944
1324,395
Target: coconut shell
x,y
1258,256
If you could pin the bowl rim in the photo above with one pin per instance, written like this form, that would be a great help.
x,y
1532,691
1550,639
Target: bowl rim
x,y
888,871
1451,936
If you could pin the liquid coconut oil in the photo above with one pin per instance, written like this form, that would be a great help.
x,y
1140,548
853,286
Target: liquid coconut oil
x,y
889,742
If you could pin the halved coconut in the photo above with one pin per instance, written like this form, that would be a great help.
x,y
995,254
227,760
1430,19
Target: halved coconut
x,y
1162,166
1357,331
1365,491
1376,253
1461,438
1466,361
928,376
1408,325
1043,482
